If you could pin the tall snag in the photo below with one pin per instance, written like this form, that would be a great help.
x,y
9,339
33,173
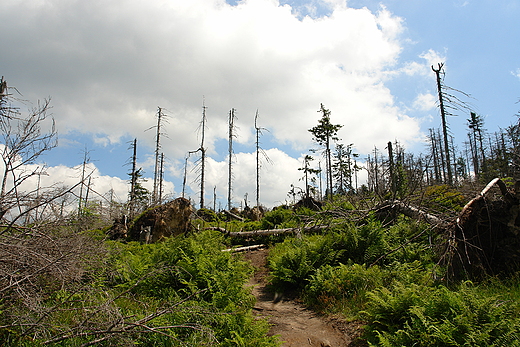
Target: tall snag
x,y
447,101
258,164
202,154
232,129
157,175
440,91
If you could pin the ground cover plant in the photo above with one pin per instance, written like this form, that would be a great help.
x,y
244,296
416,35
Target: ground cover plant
x,y
183,291
388,277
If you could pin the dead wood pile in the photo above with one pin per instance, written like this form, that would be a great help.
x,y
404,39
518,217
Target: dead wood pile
x,y
169,219
485,238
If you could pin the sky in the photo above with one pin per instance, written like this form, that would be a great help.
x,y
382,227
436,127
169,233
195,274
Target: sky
x,y
107,67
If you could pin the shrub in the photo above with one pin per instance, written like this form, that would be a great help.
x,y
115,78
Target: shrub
x,y
419,315
444,198
333,287
279,218
185,289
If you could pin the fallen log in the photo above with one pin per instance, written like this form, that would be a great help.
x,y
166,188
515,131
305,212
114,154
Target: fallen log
x,y
503,189
410,211
484,239
243,249
246,234
232,215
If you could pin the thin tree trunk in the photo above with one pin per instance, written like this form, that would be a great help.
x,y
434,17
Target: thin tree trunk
x,y
444,123
157,158
230,152
203,156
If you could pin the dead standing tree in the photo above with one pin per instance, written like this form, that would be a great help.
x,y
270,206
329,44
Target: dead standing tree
x,y
232,134
202,154
22,143
157,175
447,101
258,151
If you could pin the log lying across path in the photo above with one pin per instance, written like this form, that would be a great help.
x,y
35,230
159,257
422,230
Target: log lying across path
x,y
244,249
247,234
410,211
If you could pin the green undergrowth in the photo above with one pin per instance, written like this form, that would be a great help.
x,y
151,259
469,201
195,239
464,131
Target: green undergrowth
x,y
388,278
419,315
183,291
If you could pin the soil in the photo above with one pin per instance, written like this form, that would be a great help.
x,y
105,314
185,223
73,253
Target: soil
x,y
295,324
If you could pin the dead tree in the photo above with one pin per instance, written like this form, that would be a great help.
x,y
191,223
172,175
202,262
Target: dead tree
x,y
448,102
202,154
161,117
133,176
258,164
23,142
483,240
232,129
186,171
441,93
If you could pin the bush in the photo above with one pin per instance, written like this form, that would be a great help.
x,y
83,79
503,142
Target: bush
x,y
419,315
344,288
443,198
333,287
185,289
279,218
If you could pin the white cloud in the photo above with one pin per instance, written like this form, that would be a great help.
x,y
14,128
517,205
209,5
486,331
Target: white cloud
x,y
275,179
423,68
108,66
516,73
425,102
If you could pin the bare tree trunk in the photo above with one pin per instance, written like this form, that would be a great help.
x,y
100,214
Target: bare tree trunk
x,y
203,155
86,159
230,152
155,193
444,123
133,179
392,170
257,160
161,177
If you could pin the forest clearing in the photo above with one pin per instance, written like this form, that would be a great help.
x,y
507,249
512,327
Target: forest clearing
x,y
425,253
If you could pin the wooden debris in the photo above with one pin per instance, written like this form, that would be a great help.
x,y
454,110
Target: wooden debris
x,y
243,249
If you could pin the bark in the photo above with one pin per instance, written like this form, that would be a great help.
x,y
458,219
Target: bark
x,y
246,234
243,249
410,211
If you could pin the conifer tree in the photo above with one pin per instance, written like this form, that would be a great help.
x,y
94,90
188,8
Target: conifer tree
x,y
324,134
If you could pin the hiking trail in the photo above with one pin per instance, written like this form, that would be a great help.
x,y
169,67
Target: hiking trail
x,y
295,324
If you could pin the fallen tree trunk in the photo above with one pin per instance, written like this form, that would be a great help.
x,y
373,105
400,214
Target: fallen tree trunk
x,y
503,189
410,211
484,240
232,215
243,249
246,234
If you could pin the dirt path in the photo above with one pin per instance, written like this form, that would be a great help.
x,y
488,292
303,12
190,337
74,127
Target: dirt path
x,y
296,325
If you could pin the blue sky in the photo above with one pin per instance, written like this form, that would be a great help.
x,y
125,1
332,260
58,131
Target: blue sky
x,y
108,65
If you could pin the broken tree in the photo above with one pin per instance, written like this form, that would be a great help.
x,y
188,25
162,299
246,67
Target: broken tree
x,y
169,219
